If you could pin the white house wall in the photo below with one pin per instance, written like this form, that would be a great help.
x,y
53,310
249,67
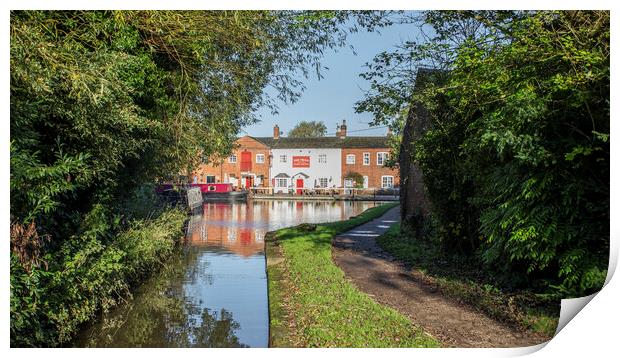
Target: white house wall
x,y
330,170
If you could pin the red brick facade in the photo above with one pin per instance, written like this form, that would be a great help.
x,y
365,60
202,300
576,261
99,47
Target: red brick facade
x,y
248,166
370,168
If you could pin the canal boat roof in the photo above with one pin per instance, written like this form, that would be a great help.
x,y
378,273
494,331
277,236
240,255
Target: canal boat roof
x,y
324,142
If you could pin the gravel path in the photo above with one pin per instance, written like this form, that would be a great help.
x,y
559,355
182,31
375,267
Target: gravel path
x,y
390,282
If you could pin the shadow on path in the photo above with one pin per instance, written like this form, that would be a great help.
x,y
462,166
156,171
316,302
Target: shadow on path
x,y
391,283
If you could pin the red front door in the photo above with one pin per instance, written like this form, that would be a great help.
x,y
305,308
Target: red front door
x,y
248,182
299,186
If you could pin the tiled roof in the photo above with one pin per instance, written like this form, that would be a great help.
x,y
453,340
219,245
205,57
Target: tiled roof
x,y
324,142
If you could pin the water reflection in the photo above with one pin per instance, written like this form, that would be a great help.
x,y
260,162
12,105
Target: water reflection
x,y
213,292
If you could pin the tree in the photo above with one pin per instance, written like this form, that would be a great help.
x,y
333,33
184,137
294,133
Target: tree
x,y
519,138
309,129
103,103
357,178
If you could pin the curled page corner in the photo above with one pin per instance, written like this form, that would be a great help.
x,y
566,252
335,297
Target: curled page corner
x,y
569,309
572,306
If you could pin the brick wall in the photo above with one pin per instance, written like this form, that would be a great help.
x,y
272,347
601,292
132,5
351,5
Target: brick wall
x,y
414,203
224,169
373,171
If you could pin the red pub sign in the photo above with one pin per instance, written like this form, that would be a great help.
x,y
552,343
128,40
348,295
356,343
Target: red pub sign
x,y
301,161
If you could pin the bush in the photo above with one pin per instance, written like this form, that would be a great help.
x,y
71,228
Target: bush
x,y
511,135
517,162
91,271
357,178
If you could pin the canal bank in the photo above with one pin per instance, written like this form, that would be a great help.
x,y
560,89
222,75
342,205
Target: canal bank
x,y
213,292
326,197
311,302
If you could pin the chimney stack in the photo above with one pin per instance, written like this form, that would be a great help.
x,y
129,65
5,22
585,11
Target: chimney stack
x,y
276,132
343,129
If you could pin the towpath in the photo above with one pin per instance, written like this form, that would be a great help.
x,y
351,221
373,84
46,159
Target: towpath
x,y
392,283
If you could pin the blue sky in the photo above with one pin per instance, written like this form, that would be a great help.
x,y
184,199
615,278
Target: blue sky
x,y
332,98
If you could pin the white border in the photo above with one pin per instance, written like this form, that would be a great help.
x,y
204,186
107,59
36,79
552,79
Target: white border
x,y
592,332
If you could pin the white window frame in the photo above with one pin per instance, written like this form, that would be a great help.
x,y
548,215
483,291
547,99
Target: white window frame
x,y
366,160
232,158
321,184
366,181
322,158
283,158
383,156
350,159
383,184
260,158
280,181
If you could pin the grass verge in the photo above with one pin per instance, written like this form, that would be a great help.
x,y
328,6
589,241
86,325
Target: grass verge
x,y
456,277
312,304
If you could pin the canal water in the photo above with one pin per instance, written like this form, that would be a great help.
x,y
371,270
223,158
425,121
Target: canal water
x,y
213,292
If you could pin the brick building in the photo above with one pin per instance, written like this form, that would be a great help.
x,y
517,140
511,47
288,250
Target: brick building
x,y
247,166
292,164
365,156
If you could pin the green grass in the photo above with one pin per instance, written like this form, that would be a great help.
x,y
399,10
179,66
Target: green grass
x,y
465,281
313,305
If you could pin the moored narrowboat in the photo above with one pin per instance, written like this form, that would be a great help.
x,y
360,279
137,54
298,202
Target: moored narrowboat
x,y
219,191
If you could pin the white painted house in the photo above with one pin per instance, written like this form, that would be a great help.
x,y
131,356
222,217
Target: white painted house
x,y
323,162
293,169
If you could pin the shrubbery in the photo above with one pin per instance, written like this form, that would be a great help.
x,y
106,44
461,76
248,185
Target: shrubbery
x,y
516,159
105,103
88,272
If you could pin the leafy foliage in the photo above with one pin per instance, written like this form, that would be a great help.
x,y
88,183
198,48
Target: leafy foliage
x,y
516,161
357,178
104,103
309,129
88,272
